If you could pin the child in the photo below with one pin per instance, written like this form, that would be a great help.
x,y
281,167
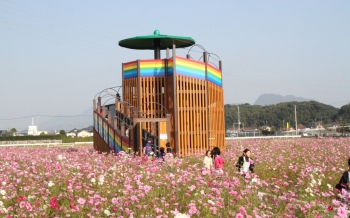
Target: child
x,y
162,153
168,148
207,161
245,163
147,150
218,161
344,183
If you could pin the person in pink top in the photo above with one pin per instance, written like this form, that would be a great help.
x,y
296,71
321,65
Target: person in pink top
x,y
218,161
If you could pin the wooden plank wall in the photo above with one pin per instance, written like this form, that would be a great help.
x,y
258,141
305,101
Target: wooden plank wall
x,y
192,111
152,99
169,103
216,117
192,115
129,96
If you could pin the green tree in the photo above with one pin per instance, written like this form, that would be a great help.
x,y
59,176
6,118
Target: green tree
x,y
11,132
42,133
62,132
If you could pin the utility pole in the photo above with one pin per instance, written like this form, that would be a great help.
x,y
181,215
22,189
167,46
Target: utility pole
x,y
239,123
296,123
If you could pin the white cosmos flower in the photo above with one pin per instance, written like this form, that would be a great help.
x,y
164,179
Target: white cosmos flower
x,y
107,212
180,215
3,192
50,184
211,202
101,180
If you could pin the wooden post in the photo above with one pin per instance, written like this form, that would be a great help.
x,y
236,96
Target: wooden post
x,y
207,96
122,129
175,102
99,105
168,127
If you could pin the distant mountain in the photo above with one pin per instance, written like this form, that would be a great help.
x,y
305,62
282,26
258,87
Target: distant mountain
x,y
79,121
268,99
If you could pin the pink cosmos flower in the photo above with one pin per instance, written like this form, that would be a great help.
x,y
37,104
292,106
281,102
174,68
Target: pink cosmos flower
x,y
342,212
242,210
239,215
114,200
81,201
22,204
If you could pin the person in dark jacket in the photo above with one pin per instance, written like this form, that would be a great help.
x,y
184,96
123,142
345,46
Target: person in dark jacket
x,y
162,153
245,163
344,182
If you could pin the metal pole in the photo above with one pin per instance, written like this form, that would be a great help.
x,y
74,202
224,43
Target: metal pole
x,y
176,133
296,123
156,48
207,95
239,123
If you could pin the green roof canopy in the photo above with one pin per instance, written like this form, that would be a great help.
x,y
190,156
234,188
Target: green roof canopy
x,y
150,42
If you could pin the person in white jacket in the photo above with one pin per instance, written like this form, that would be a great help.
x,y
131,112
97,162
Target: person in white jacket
x,y
208,161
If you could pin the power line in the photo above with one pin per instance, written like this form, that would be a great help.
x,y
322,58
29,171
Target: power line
x,y
18,118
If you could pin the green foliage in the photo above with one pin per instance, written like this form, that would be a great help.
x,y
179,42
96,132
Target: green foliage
x,y
13,130
76,139
30,137
62,132
256,116
42,133
344,112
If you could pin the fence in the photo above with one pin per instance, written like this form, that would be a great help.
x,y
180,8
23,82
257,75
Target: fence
x,y
263,137
48,144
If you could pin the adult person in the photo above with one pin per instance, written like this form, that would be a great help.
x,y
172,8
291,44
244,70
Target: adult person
x,y
245,163
344,182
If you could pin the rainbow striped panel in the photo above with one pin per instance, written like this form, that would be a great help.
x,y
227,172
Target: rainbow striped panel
x,y
120,145
105,131
190,68
95,122
170,67
214,75
111,137
100,125
152,68
130,70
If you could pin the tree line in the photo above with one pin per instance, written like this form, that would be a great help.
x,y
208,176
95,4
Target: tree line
x,y
309,114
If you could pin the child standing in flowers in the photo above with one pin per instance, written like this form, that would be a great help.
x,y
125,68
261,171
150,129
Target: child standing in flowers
x,y
147,150
162,153
169,157
207,161
245,163
218,161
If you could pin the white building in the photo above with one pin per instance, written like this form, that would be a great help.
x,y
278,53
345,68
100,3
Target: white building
x,y
84,133
33,130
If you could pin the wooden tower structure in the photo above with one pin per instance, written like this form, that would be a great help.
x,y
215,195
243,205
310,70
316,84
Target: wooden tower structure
x,y
175,99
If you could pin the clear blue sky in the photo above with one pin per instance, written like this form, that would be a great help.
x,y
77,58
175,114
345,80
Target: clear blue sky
x,y
56,55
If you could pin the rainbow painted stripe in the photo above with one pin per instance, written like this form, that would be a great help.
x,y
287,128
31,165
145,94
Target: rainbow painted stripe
x,y
185,67
111,136
214,75
190,68
130,70
152,68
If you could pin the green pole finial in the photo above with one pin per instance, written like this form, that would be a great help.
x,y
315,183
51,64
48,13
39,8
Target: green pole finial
x,y
156,32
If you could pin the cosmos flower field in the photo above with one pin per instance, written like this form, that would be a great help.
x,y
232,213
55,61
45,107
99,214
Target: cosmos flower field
x,y
293,178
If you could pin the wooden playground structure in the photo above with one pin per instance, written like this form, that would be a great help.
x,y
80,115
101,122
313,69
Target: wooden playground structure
x,y
175,99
